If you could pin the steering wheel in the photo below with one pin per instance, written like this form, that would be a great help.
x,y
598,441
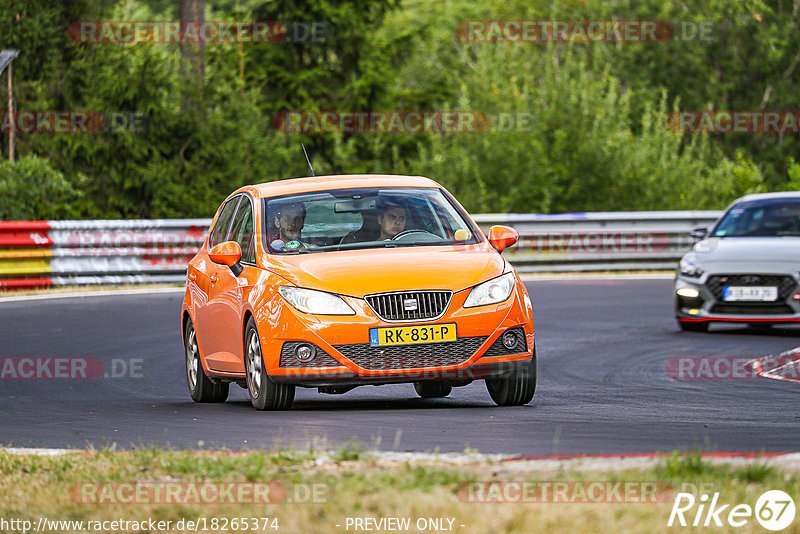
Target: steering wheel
x,y
404,233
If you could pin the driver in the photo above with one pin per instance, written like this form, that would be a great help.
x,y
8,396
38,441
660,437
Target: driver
x,y
289,220
392,218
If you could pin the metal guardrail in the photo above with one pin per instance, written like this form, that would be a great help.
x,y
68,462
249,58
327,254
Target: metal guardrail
x,y
600,241
46,253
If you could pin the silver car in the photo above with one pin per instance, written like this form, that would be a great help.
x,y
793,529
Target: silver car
x,y
746,269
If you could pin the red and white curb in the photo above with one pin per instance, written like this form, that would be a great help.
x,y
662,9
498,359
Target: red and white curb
x,y
784,366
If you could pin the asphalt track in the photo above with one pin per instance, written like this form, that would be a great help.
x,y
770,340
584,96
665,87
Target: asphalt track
x,y
603,347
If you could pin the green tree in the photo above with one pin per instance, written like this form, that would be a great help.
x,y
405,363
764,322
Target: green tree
x,y
31,189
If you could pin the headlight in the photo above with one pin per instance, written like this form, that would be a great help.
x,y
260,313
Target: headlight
x,y
491,292
315,302
688,267
688,292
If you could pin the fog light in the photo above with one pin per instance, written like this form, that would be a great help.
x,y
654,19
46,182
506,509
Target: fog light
x,y
509,339
305,353
688,292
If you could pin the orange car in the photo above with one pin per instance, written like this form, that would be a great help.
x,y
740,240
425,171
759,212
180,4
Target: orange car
x,y
335,282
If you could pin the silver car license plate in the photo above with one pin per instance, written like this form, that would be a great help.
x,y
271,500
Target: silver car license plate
x,y
760,294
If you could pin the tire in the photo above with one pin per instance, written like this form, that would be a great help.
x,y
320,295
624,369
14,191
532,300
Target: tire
x,y
432,390
517,389
693,326
201,388
264,393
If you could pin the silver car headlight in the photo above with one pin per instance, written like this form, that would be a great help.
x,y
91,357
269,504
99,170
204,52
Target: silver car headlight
x,y
689,267
492,292
315,302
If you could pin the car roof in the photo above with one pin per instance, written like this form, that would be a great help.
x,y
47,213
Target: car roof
x,y
768,196
337,181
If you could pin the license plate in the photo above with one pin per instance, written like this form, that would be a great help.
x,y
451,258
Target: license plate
x,y
411,335
761,294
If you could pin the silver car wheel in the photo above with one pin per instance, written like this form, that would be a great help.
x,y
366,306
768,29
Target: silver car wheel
x,y
254,365
192,359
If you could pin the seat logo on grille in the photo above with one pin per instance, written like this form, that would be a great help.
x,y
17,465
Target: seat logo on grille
x,y
751,279
410,304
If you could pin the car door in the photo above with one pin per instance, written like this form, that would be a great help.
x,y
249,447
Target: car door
x,y
225,307
203,275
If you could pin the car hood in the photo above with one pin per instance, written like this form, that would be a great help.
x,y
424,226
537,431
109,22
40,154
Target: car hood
x,y
748,249
362,272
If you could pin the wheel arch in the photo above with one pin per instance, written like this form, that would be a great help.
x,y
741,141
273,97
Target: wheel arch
x,y
185,318
248,314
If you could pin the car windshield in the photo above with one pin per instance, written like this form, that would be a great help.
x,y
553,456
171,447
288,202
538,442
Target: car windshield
x,y
364,218
764,218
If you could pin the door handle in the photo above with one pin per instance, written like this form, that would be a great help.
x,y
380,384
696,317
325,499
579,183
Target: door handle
x,y
214,278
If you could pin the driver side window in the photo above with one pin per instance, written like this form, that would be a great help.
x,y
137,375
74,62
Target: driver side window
x,y
220,234
242,231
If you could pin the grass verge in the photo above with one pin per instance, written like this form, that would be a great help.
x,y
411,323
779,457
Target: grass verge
x,y
316,492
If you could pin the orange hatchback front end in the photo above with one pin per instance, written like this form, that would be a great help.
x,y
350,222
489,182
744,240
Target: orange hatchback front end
x,y
335,282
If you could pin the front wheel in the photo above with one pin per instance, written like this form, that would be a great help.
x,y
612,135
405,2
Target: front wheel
x,y
264,393
517,389
201,388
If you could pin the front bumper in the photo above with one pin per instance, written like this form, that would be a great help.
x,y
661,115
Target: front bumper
x,y
343,354
709,305
478,371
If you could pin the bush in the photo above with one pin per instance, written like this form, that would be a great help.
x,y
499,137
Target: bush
x,y
582,148
32,189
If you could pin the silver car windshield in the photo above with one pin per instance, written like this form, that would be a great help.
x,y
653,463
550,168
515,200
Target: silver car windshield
x,y
364,218
764,218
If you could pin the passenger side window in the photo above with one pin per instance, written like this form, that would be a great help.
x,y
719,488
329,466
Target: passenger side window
x,y
242,231
220,233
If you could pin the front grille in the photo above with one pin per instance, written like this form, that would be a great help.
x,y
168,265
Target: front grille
x,y
498,349
321,358
784,283
753,308
409,305
412,356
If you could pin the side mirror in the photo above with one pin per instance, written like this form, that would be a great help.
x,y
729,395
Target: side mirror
x,y
502,237
699,233
228,253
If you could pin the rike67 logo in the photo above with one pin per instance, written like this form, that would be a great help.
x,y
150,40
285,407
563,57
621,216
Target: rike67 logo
x,y
774,510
